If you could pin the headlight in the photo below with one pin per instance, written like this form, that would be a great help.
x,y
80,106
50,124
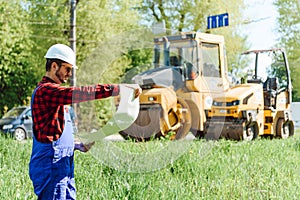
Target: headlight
x,y
152,98
216,103
235,103
8,126
208,101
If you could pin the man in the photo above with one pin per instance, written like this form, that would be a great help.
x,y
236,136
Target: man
x,y
51,166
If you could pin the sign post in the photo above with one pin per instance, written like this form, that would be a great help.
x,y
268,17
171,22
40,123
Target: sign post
x,y
217,21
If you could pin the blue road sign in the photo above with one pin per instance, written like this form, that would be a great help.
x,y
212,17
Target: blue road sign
x,y
217,21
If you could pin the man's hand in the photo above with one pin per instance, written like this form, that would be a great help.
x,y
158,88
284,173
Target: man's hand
x,y
83,147
137,89
137,92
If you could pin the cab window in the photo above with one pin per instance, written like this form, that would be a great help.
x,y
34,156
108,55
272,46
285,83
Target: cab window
x,y
210,59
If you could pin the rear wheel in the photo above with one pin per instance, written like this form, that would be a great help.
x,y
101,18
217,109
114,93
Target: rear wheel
x,y
20,134
185,119
250,132
284,130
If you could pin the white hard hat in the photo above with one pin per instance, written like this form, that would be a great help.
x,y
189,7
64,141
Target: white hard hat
x,y
62,52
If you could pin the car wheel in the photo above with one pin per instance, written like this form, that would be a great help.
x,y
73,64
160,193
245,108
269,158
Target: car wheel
x,y
20,134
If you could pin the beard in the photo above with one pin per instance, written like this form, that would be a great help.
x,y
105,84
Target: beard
x,y
59,76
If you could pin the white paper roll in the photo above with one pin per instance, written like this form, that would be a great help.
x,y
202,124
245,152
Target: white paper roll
x,y
125,115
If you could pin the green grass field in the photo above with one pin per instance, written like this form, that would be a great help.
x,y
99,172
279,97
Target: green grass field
x,y
261,169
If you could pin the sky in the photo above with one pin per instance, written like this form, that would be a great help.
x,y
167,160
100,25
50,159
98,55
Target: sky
x,y
262,30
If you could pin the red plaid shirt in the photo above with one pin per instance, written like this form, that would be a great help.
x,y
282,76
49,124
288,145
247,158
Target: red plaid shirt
x,y
49,101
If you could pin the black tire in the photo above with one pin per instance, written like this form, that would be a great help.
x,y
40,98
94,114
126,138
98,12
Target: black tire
x,y
20,134
284,130
250,132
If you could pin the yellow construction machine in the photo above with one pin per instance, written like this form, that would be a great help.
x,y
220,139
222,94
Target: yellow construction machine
x,y
189,70
258,107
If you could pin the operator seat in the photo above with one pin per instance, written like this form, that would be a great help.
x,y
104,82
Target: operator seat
x,y
270,87
174,61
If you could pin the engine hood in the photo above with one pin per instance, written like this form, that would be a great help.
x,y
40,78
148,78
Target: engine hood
x,y
241,92
161,77
5,121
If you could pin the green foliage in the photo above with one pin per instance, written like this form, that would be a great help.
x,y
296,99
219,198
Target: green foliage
x,y
14,169
192,16
100,21
30,27
140,61
99,24
49,23
17,76
261,169
278,70
289,30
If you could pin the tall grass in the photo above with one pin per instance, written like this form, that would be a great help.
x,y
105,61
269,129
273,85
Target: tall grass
x,y
261,169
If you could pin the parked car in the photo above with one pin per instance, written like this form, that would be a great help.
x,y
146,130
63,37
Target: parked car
x,y
17,123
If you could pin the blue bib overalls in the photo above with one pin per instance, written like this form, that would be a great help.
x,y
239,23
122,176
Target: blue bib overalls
x,y
51,166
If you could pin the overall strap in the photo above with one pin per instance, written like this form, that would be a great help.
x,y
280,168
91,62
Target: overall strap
x,y
33,94
31,104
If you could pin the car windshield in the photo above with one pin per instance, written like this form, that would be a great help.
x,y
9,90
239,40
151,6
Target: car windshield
x,y
15,112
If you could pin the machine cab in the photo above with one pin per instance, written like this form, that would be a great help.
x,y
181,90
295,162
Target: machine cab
x,y
199,58
270,68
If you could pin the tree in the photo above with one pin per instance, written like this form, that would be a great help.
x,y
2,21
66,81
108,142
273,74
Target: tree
x,y
186,15
17,77
96,23
101,54
49,22
289,30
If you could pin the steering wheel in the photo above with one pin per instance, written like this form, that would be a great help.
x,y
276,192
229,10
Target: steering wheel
x,y
258,78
